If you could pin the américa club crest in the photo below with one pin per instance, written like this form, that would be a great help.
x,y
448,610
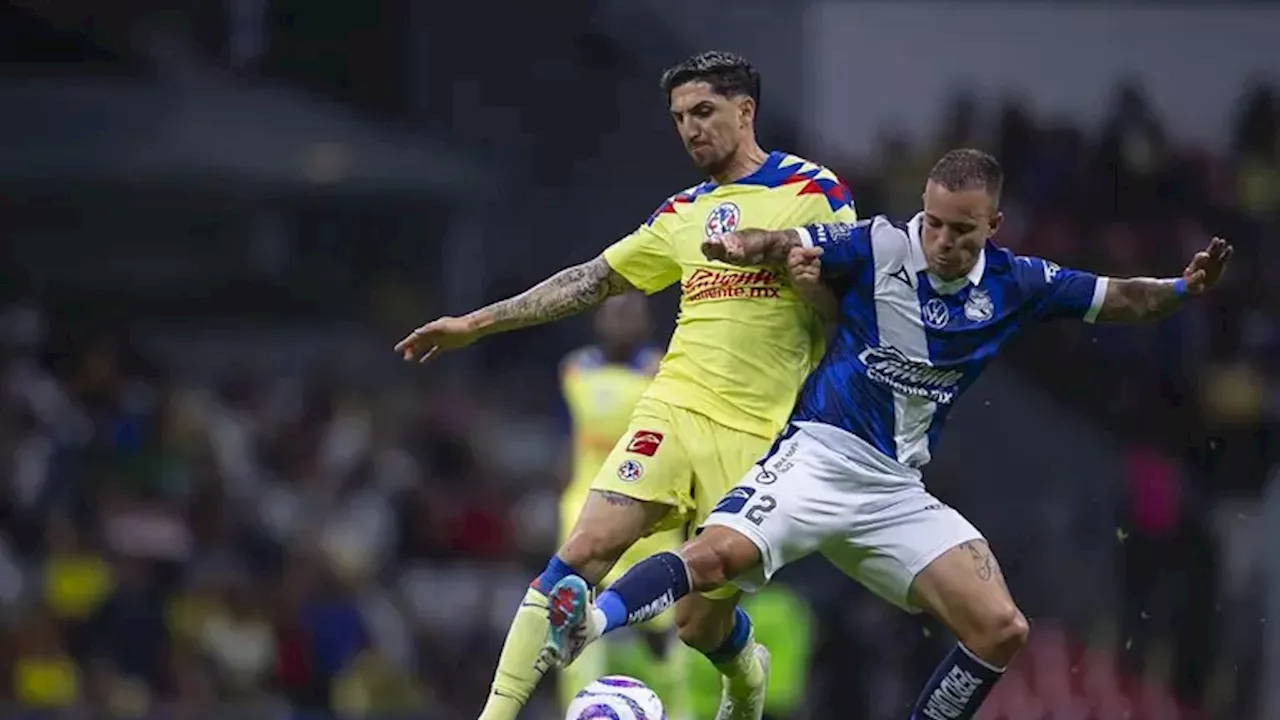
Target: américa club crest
x,y
723,218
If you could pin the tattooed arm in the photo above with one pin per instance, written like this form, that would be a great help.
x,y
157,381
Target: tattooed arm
x,y
568,292
1134,300
752,247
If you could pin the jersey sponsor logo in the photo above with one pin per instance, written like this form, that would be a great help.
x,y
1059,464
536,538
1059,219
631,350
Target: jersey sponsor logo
x,y
888,366
935,314
723,218
950,700
734,500
630,471
708,284
645,442
979,306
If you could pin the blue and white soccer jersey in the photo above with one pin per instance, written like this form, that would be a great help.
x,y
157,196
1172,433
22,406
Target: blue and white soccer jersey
x,y
844,478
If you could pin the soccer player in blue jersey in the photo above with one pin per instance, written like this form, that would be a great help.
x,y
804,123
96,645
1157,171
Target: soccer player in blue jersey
x,y
924,306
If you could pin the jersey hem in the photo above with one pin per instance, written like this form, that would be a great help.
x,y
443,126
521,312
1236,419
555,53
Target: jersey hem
x,y
733,420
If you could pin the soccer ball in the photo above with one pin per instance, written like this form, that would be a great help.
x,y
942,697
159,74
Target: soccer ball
x,y
616,697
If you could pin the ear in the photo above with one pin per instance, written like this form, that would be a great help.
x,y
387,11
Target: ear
x,y
997,219
746,110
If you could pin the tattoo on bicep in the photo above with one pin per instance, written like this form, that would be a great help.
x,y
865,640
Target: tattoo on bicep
x,y
984,561
568,292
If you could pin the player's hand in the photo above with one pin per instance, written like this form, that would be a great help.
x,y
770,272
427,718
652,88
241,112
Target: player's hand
x,y
729,248
805,266
743,247
437,336
1206,267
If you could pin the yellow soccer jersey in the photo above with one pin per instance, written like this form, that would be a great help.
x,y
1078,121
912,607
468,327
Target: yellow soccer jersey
x,y
744,341
600,396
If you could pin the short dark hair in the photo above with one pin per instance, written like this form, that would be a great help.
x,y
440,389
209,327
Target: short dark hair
x,y
968,169
727,74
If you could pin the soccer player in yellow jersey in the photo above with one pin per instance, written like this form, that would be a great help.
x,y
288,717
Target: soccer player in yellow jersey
x,y
744,342
601,384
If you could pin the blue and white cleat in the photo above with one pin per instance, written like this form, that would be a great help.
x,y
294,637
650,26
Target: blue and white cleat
x,y
572,624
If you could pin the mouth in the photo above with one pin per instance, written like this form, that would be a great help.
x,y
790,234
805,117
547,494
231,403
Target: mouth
x,y
945,264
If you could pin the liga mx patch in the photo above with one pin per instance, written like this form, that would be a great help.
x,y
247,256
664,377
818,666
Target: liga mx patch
x,y
645,442
630,471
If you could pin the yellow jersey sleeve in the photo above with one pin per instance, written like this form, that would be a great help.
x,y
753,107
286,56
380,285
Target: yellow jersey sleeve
x,y
646,257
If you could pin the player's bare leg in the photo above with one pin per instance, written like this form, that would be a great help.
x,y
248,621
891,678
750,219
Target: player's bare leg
x,y
965,590
715,627
722,632
608,524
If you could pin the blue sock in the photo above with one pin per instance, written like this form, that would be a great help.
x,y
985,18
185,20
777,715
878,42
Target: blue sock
x,y
733,645
645,591
555,571
957,688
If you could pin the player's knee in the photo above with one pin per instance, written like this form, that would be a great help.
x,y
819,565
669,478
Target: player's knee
x,y
1001,635
717,556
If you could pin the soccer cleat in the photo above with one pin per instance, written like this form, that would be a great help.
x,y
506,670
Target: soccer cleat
x,y
572,625
749,706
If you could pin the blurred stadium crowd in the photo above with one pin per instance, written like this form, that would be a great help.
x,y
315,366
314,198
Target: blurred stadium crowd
x,y
272,543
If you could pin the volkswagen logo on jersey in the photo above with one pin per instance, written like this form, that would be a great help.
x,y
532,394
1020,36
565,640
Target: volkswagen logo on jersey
x,y
723,218
979,307
889,366
630,471
935,314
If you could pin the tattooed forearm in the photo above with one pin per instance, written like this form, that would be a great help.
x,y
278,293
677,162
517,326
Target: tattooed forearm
x,y
767,247
984,562
566,293
1133,300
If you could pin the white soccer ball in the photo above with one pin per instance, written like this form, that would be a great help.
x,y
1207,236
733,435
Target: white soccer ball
x,y
616,697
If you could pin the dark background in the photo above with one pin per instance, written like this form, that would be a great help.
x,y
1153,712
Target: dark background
x,y
220,490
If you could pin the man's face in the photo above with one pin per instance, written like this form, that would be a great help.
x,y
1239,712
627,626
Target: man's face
x,y
710,125
956,226
623,320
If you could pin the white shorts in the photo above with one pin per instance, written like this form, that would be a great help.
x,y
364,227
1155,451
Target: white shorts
x,y
871,517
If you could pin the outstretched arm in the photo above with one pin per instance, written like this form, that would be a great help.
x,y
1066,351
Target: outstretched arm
x,y
1133,300
568,292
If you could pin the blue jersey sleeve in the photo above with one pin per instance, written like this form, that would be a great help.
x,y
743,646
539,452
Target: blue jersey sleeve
x,y
1057,292
845,246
